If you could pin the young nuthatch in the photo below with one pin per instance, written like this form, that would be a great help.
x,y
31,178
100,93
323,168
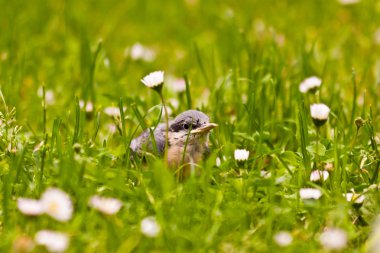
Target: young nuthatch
x,y
188,133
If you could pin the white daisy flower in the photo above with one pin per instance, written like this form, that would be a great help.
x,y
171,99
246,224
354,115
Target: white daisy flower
x,y
30,206
310,193
283,238
333,239
281,180
53,241
105,205
317,175
319,113
218,161
112,111
241,154
57,204
150,227
140,52
89,106
49,95
265,174
310,84
176,84
154,79
112,128
355,198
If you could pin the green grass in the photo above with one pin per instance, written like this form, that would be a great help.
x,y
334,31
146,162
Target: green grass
x,y
243,62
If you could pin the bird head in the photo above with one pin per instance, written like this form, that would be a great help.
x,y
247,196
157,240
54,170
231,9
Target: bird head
x,y
190,126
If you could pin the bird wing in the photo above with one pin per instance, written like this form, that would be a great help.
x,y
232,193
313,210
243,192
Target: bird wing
x,y
144,142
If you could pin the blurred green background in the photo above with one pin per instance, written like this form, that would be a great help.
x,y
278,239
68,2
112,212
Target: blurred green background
x,y
52,43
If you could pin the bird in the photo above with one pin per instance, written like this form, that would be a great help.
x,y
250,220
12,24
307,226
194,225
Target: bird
x,y
188,137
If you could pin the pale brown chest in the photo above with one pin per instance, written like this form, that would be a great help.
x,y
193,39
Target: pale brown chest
x,y
178,155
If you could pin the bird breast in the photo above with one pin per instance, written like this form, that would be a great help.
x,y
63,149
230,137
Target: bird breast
x,y
194,147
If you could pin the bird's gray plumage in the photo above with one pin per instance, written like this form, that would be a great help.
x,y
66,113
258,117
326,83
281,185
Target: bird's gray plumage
x,y
190,118
183,123
143,142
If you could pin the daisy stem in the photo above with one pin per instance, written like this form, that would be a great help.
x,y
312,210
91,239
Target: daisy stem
x,y
318,96
167,128
317,161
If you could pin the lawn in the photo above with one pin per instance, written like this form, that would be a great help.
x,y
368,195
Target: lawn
x,y
72,100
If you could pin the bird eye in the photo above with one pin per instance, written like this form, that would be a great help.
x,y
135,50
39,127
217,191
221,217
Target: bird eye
x,y
185,126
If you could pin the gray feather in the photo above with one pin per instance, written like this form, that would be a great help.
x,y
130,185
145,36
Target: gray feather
x,y
144,142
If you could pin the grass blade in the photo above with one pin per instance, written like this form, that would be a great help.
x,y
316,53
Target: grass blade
x,y
188,94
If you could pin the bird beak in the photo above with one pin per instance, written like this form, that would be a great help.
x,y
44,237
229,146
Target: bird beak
x,y
204,129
